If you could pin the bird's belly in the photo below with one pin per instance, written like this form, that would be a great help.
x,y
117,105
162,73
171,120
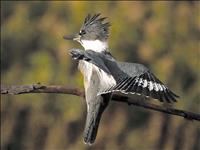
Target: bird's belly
x,y
88,70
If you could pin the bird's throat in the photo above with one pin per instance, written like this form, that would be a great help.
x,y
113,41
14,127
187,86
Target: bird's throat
x,y
95,45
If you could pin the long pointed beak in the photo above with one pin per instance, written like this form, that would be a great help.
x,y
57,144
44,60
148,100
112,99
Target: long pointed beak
x,y
76,37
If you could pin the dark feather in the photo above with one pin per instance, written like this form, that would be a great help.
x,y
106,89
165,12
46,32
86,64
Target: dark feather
x,y
170,95
167,99
161,96
134,85
145,91
87,18
93,19
128,82
130,85
119,84
122,84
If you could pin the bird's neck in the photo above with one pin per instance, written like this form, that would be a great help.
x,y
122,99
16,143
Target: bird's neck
x,y
95,45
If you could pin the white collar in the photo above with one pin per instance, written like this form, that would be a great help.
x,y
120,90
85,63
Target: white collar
x,y
96,45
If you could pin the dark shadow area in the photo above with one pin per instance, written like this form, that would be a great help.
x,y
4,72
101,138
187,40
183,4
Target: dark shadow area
x,y
164,132
40,139
19,131
73,131
196,145
180,136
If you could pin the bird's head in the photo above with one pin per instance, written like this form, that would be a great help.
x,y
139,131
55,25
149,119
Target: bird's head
x,y
94,32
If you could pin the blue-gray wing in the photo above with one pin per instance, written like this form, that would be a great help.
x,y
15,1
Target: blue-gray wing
x,y
145,84
88,56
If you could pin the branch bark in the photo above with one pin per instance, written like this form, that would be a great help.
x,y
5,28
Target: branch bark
x,y
38,88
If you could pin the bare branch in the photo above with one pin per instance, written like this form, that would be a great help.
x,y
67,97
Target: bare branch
x,y
38,88
164,109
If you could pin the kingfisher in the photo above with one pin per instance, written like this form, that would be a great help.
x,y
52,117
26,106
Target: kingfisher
x,y
105,77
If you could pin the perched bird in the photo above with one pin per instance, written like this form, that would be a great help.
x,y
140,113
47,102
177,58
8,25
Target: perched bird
x,y
132,80
93,36
104,76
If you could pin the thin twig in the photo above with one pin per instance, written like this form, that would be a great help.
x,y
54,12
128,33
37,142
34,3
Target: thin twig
x,y
38,88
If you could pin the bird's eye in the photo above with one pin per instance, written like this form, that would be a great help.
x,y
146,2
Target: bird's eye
x,y
82,32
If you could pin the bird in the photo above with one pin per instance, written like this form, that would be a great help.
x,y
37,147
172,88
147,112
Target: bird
x,y
93,35
132,79
105,77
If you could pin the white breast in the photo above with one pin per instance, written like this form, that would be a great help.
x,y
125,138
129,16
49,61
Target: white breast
x,y
106,80
87,69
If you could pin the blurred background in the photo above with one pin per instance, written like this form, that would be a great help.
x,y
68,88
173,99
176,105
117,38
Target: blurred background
x,y
162,35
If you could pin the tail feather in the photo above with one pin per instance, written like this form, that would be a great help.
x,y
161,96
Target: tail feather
x,y
94,114
92,124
